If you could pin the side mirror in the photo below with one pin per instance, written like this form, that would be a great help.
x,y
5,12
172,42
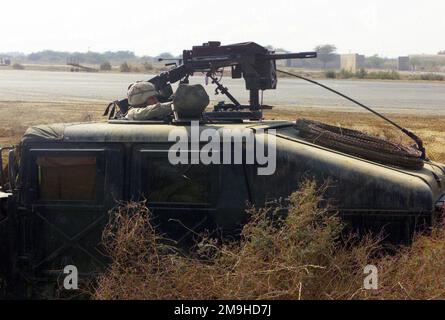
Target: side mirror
x,y
3,203
2,177
11,169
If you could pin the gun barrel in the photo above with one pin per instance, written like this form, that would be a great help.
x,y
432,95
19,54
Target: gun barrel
x,y
299,55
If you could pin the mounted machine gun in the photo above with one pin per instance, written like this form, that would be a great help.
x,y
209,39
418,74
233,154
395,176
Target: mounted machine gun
x,y
248,60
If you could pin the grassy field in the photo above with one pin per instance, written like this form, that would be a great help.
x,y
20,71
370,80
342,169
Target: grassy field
x,y
269,263
430,128
296,257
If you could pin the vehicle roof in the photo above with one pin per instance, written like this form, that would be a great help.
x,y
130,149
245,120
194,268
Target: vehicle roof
x,y
127,131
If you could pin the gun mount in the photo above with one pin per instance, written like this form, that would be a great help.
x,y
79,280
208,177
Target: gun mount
x,y
248,60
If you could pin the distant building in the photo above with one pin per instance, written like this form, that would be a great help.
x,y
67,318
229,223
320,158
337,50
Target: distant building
x,y
403,63
332,63
352,62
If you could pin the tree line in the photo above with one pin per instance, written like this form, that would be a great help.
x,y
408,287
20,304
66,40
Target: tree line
x,y
89,57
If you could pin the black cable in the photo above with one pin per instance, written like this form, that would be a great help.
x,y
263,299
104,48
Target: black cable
x,y
410,134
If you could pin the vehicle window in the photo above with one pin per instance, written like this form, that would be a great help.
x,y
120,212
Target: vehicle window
x,y
67,178
177,183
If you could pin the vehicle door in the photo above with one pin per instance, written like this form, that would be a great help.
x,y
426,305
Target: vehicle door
x,y
67,195
187,199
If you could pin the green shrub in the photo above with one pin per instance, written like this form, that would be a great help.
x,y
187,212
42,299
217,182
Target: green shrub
x,y
105,66
148,66
345,74
125,67
18,66
330,74
361,74
384,75
432,76
428,77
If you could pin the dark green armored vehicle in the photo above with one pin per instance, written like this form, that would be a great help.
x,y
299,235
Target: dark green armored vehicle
x,y
64,178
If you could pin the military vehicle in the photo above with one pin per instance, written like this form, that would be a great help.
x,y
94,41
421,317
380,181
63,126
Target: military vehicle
x,y
63,179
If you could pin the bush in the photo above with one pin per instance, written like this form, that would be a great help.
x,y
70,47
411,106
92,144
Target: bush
x,y
148,66
105,66
428,77
330,74
432,77
361,74
124,67
384,75
18,66
297,256
345,74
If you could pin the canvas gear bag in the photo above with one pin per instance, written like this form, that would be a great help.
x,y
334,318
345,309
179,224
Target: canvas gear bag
x,y
190,101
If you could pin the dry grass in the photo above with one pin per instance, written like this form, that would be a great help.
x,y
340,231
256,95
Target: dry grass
x,y
276,258
21,115
416,272
294,257
430,128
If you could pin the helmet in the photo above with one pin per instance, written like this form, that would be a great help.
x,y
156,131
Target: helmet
x,y
139,92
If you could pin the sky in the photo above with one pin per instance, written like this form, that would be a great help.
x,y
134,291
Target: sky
x,y
388,28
